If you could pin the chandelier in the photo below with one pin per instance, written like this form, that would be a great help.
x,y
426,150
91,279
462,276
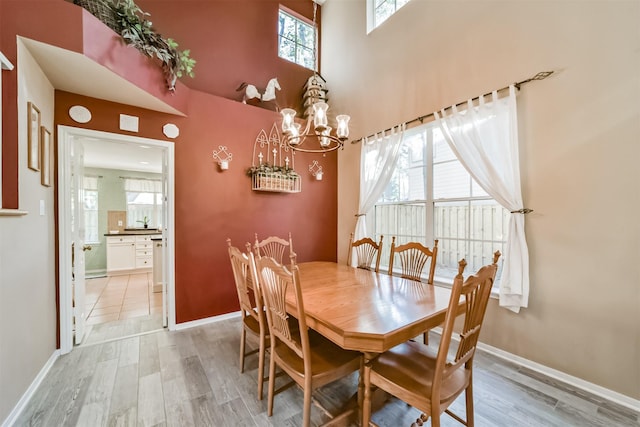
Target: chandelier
x,y
317,134
317,130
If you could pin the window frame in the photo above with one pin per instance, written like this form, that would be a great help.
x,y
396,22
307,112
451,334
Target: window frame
x,y
428,220
299,19
372,7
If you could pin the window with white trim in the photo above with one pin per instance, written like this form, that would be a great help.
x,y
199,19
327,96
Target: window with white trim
x,y
432,196
296,40
379,11
90,194
144,200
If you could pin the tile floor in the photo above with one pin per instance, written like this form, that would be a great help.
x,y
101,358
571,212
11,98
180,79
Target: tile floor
x,y
121,297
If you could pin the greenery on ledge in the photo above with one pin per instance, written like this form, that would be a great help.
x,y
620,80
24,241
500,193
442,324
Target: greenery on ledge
x,y
138,31
266,168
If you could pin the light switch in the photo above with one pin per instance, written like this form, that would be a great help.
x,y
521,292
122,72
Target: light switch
x,y
42,207
119,223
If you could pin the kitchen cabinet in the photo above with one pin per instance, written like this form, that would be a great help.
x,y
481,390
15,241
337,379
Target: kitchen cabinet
x,y
129,253
121,254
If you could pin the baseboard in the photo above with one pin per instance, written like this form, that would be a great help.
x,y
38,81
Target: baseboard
x,y
206,321
576,382
605,393
22,403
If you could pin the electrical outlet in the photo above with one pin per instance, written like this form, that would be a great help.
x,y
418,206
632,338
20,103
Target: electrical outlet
x,y
42,207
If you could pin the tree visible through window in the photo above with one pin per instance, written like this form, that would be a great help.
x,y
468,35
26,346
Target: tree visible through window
x,y
383,9
296,40
432,196
144,200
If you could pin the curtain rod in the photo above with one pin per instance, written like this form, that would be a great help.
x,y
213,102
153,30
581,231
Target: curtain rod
x,y
139,178
540,76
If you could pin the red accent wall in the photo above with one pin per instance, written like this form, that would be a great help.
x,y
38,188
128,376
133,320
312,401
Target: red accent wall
x,y
233,41
212,206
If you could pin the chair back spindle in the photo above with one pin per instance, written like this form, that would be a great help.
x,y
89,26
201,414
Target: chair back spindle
x,y
413,258
366,251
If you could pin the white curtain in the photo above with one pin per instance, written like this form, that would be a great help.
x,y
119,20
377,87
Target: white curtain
x,y
143,185
378,159
485,140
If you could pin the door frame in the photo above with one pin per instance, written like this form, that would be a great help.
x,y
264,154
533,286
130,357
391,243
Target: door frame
x,y
66,136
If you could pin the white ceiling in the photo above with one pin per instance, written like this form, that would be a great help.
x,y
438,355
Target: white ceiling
x,y
89,78
107,154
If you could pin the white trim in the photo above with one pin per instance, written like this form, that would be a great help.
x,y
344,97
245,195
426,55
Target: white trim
x,y
605,393
26,397
576,382
206,321
5,63
10,212
66,135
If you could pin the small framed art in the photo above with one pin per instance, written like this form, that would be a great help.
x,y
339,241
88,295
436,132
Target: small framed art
x,y
46,159
33,136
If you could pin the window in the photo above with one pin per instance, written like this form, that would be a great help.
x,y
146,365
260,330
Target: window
x,y
90,187
144,199
296,40
432,196
380,10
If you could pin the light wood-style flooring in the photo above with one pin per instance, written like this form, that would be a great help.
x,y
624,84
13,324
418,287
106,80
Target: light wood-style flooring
x,y
191,378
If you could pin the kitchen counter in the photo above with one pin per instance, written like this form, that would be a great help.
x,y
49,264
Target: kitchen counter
x,y
135,232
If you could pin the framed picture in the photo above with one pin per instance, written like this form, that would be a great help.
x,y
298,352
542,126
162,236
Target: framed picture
x,y
33,137
46,160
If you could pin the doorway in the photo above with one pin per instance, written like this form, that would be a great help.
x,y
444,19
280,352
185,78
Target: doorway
x,y
71,227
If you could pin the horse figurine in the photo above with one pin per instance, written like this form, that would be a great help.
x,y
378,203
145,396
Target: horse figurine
x,y
251,92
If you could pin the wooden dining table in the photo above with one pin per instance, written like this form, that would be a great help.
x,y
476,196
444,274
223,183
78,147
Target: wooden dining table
x,y
365,311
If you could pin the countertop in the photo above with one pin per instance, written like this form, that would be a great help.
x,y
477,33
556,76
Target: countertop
x,y
135,232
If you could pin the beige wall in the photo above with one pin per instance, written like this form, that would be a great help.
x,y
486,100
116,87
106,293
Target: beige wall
x,y
579,138
27,249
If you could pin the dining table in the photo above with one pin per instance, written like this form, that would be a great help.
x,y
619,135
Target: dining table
x,y
366,311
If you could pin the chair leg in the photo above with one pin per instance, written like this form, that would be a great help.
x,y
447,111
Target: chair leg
x,y
261,368
469,403
272,381
243,337
425,338
306,412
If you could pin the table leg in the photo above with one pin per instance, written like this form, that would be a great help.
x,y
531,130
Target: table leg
x,y
366,373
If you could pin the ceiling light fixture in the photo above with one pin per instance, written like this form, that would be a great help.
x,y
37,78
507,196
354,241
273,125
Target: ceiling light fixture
x,y
317,127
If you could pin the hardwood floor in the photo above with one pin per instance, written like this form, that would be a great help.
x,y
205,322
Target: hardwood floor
x,y
191,378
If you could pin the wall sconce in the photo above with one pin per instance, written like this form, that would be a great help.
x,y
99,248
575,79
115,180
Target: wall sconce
x,y
316,170
223,157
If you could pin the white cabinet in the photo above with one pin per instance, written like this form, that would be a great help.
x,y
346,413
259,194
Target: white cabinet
x,y
127,254
144,252
121,253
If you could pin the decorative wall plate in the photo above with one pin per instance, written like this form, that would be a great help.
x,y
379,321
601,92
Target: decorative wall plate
x,y
80,114
170,130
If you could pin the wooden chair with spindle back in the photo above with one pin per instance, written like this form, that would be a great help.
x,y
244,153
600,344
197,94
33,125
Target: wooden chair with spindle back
x,y
430,381
309,363
413,258
252,311
274,247
366,250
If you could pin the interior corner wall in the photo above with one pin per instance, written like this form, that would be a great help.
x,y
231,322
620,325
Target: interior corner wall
x,y
579,149
27,256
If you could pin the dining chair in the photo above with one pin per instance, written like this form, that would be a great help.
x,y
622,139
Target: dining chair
x,y
413,258
428,380
252,311
274,247
310,361
366,249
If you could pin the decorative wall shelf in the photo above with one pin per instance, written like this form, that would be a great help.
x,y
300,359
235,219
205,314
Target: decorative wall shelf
x,y
276,182
274,171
